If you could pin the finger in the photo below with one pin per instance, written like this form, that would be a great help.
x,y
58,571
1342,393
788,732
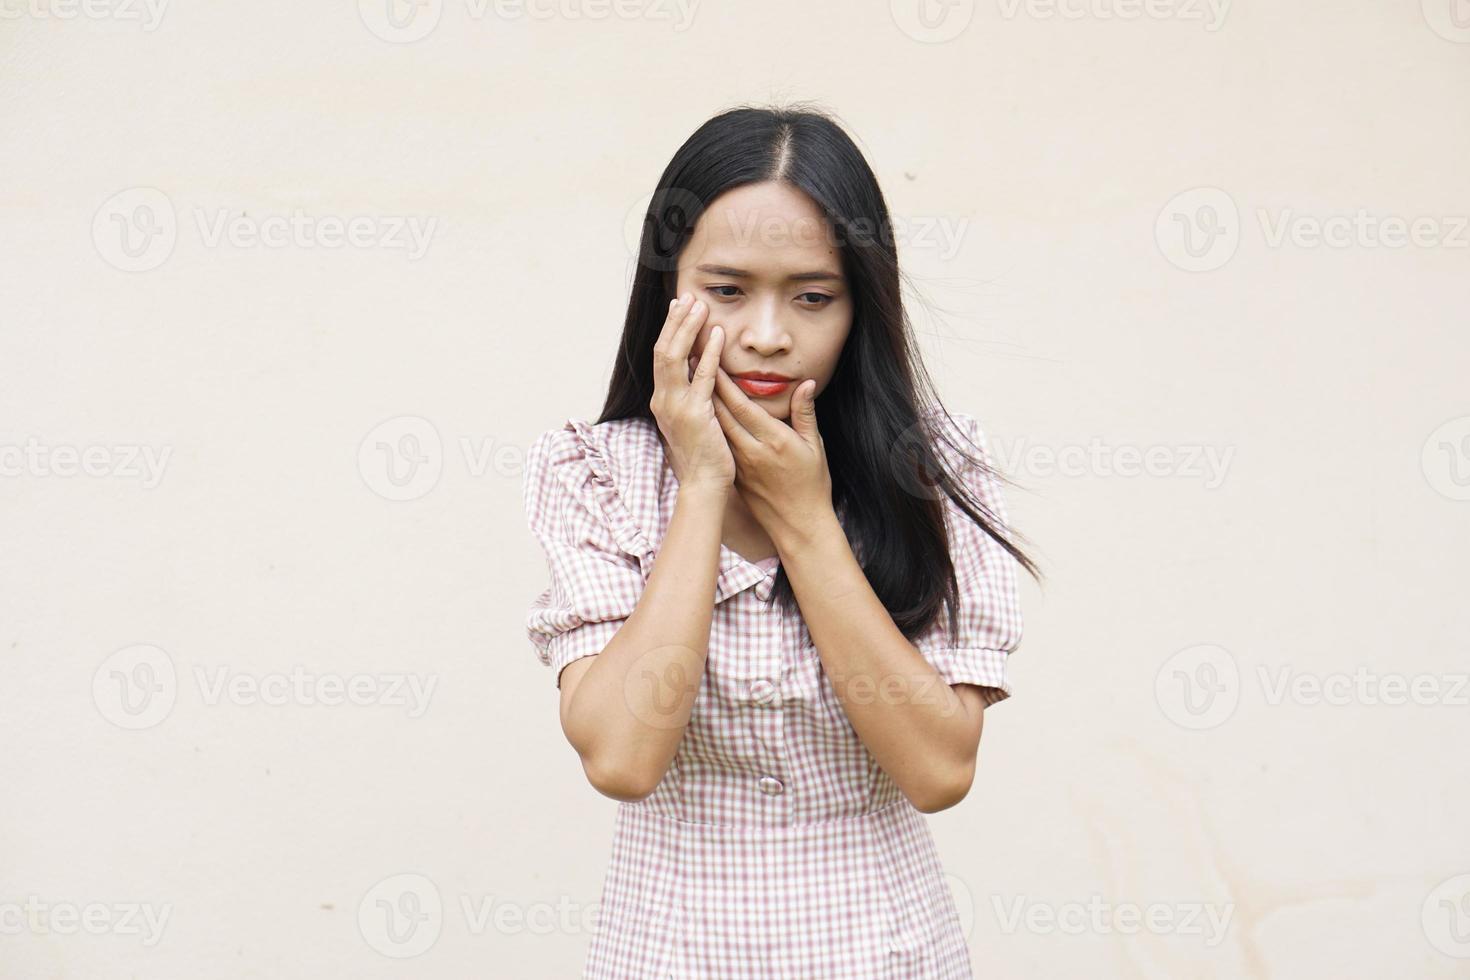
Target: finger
x,y
672,319
663,357
735,433
804,411
703,381
671,352
683,340
752,418
740,410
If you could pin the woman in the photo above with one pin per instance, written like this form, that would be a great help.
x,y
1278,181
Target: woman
x,y
750,578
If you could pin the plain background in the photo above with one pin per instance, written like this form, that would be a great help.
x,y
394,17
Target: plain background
x,y
1109,213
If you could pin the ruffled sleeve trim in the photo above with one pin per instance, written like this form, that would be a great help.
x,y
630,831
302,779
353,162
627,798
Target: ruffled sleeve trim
x,y
591,441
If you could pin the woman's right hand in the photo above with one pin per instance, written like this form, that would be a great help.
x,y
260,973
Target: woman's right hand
x,y
683,405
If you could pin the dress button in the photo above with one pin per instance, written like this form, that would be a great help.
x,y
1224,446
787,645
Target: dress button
x,y
771,786
763,691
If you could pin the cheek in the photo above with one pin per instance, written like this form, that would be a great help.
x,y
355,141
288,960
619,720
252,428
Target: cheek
x,y
831,355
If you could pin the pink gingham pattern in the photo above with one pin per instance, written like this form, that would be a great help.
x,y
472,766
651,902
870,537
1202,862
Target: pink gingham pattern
x,y
774,847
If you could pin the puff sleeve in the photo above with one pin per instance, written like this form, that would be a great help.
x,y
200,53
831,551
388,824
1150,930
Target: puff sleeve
x,y
989,611
595,583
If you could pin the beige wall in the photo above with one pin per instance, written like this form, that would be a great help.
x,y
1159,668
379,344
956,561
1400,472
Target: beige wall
x,y
1302,408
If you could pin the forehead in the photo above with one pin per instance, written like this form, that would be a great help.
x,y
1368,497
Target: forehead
x,y
770,228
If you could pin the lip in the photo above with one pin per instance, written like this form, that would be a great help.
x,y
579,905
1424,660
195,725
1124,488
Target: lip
x,y
762,384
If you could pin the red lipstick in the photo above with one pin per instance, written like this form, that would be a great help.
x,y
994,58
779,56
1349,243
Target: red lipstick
x,y
762,384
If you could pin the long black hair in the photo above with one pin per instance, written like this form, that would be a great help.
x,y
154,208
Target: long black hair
x,y
887,481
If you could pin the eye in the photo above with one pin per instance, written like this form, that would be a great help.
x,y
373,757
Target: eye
x,y
724,295
821,299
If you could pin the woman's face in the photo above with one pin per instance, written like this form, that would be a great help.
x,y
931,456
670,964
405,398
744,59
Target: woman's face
x,y
763,259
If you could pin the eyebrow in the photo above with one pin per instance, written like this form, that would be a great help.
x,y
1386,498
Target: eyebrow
x,y
725,270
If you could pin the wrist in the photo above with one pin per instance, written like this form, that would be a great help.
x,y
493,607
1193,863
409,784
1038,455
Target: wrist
x,y
704,490
790,539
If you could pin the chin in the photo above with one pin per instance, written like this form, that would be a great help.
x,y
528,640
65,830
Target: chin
x,y
775,411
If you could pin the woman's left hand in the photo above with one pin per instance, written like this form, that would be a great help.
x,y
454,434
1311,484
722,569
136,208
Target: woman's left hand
x,y
780,470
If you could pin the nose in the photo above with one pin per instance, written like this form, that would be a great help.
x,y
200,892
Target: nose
x,y
761,329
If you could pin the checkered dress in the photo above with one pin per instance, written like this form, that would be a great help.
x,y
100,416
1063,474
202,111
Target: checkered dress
x,y
774,847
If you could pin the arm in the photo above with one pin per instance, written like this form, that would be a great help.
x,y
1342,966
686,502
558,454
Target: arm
x,y
923,732
624,710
